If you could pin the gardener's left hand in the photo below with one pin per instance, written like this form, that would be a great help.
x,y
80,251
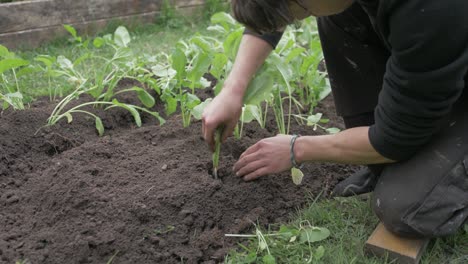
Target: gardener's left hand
x,y
270,155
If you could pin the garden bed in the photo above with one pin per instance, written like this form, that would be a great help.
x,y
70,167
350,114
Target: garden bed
x,y
144,194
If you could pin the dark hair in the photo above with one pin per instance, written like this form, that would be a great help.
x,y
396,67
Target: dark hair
x,y
262,16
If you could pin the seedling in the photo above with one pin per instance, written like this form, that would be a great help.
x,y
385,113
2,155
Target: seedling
x,y
218,134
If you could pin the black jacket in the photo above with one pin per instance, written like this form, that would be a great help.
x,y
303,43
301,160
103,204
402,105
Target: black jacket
x,y
425,74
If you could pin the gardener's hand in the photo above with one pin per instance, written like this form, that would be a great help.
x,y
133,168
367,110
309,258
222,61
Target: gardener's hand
x,y
270,155
224,110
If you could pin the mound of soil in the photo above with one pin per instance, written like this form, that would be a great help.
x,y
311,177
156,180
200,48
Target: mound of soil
x,y
143,194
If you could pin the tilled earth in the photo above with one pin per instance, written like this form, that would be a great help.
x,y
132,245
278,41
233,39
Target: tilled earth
x,y
143,194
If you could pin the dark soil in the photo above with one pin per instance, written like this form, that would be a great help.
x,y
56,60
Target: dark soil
x,y
144,194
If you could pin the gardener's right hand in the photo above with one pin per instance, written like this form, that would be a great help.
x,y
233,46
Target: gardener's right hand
x,y
224,111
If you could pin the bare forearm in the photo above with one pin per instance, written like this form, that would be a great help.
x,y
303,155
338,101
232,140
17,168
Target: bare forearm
x,y
351,146
252,53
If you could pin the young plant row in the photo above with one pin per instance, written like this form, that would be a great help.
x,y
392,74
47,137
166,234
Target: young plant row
x,y
289,83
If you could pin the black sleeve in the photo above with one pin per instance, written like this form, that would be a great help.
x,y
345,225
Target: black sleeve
x,y
424,76
271,38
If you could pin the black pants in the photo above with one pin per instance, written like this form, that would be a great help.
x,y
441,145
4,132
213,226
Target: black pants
x,y
427,195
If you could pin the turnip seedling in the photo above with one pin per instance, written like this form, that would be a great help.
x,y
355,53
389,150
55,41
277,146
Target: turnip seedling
x,y
218,134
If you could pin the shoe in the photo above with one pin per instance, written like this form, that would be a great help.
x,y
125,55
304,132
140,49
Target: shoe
x,y
363,181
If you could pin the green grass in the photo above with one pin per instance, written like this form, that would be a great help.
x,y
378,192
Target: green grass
x,y
350,221
147,39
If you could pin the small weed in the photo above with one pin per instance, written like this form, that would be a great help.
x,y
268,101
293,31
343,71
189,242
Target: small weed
x,y
164,230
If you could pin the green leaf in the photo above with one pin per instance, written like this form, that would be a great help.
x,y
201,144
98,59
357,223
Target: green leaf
x,y
13,99
82,58
179,61
306,64
283,68
251,257
217,28
250,113
262,244
153,83
319,253
259,89
268,259
71,30
294,54
288,233
191,101
144,96
332,130
98,42
5,105
203,44
99,126
4,51
297,176
314,119
12,63
131,109
205,83
326,90
224,19
46,60
217,65
64,63
27,70
199,68
86,43
314,234
231,43
122,37
171,104
164,72
69,117
197,111
122,53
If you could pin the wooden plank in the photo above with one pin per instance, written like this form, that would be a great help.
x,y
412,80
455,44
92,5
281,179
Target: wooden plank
x,y
405,251
20,16
35,37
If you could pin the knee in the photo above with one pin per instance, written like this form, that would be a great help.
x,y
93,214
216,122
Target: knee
x,y
392,213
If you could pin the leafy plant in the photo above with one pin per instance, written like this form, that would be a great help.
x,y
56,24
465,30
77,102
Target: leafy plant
x,y
17,67
122,65
271,246
316,120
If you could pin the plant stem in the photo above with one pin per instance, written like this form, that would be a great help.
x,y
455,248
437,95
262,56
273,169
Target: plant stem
x,y
218,134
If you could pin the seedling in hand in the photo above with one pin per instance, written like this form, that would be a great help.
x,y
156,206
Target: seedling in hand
x,y
218,134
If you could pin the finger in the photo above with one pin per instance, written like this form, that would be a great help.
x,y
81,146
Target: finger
x,y
249,168
256,174
227,132
242,162
209,135
251,149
